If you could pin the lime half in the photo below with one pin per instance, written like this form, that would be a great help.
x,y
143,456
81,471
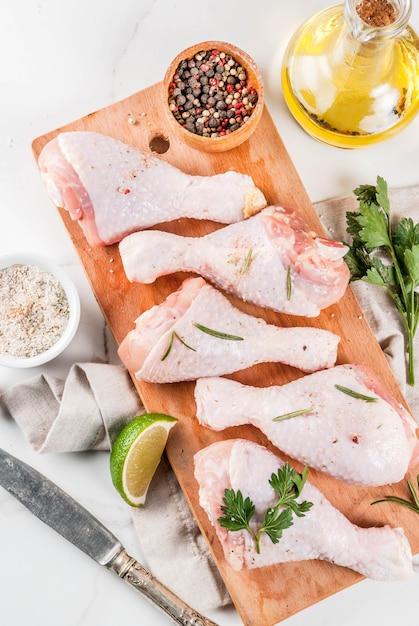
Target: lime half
x,y
136,454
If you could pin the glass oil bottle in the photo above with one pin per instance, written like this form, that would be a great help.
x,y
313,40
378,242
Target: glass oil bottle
x,y
348,82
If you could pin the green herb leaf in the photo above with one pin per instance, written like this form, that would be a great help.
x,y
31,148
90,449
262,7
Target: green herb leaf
x,y
238,511
397,271
374,277
288,484
353,227
411,263
275,522
299,481
406,233
169,347
289,283
413,504
287,416
216,333
355,394
247,261
382,195
415,496
380,274
366,193
358,261
374,226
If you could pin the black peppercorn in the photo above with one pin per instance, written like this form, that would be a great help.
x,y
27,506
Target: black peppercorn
x,y
209,95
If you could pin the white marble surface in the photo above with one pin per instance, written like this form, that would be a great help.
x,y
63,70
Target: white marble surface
x,y
60,61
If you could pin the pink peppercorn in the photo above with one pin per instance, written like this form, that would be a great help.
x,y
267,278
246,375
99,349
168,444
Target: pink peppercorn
x,y
207,106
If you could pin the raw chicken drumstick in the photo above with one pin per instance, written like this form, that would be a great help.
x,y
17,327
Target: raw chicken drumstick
x,y
113,189
355,440
381,553
197,332
272,259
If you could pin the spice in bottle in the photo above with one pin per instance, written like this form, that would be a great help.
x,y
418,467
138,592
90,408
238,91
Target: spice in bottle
x,y
376,12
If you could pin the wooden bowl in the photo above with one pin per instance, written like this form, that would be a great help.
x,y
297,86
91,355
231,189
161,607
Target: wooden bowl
x,y
234,138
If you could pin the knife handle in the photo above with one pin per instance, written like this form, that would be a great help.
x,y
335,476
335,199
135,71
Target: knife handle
x,y
136,575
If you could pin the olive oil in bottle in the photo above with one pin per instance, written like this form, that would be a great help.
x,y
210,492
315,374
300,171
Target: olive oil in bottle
x,y
350,82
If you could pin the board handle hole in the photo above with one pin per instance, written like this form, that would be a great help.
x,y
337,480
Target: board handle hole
x,y
159,144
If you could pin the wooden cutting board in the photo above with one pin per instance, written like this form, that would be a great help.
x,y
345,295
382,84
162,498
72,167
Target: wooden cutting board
x,y
265,596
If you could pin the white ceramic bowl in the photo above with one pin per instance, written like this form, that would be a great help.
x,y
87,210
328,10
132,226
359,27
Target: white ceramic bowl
x,y
23,258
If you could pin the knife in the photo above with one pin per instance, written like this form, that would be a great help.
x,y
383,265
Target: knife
x,y
67,517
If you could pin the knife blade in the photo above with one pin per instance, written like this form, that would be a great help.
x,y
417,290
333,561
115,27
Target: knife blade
x,y
71,520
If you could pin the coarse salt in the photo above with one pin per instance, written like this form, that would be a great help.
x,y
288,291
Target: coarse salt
x,y
34,310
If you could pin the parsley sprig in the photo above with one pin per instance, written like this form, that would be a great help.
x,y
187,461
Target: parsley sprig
x,y
238,511
372,229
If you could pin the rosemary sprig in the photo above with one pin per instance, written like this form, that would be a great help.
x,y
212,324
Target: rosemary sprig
x,y
289,283
355,394
247,262
169,347
287,416
238,511
217,333
413,504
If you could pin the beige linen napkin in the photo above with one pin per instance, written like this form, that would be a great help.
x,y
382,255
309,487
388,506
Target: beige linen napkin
x,y
86,412
88,409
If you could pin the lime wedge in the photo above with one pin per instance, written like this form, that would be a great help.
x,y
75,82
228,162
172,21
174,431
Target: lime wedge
x,y
136,454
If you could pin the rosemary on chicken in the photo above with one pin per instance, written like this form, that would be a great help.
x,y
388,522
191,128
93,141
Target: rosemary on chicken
x,y
174,336
355,394
288,416
217,333
412,504
346,390
372,231
238,511
289,283
247,261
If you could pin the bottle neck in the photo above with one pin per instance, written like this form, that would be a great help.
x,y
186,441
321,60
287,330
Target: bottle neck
x,y
368,31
